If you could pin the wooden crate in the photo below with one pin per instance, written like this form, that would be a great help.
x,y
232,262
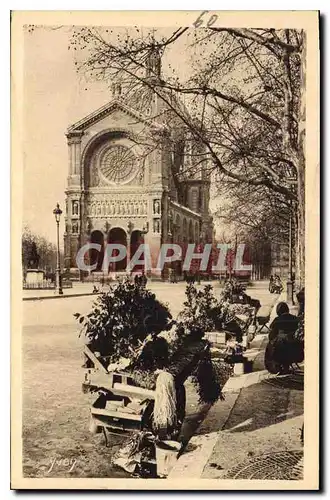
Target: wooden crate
x,y
135,403
119,419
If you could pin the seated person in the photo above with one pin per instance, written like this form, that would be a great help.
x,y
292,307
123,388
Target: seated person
x,y
281,337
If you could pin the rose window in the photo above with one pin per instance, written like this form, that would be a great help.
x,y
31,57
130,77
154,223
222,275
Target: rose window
x,y
118,164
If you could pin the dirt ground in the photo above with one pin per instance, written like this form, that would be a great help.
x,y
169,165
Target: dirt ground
x,y
56,440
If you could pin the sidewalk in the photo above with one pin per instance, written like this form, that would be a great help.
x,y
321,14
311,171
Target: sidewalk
x,y
259,421
261,430
85,289
255,432
77,290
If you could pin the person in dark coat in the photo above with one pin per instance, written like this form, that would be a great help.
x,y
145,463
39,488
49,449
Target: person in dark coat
x,y
301,301
271,283
281,347
143,279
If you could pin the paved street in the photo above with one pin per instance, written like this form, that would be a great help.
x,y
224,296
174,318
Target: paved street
x,y
55,411
60,310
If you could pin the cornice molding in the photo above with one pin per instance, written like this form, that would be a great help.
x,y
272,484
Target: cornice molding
x,y
106,110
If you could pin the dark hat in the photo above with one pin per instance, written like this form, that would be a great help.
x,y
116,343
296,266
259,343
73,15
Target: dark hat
x,y
282,308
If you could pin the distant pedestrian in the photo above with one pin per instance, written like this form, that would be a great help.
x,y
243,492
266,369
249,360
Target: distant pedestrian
x,y
271,284
301,301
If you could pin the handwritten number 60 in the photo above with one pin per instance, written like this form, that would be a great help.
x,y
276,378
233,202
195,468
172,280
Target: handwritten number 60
x,y
199,21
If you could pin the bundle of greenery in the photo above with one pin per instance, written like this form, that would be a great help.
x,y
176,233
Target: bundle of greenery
x,y
122,319
202,312
232,289
129,323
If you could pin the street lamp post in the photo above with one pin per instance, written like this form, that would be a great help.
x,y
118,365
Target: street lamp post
x,y
291,179
230,260
130,227
170,239
200,250
57,212
144,231
289,284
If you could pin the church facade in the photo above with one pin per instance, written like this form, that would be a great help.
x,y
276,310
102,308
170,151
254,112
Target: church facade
x,y
132,180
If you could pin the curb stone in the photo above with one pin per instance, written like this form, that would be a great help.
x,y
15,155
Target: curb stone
x,y
48,297
200,447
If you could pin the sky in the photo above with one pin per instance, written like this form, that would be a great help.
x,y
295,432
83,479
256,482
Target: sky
x,y
55,96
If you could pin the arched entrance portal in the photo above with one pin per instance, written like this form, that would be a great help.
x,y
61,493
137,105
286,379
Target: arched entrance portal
x,y
137,239
117,235
95,256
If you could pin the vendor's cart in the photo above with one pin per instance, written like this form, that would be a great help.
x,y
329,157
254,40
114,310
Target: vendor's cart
x,y
123,406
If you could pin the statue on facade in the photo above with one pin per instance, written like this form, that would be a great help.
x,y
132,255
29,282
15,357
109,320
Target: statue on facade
x,y
89,226
156,207
75,208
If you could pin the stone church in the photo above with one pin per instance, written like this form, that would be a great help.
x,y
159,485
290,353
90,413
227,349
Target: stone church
x,y
135,175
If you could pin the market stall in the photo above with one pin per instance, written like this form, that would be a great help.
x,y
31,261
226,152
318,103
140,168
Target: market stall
x,y
137,360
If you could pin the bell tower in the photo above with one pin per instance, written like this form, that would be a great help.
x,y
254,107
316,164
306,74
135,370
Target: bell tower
x,y
154,63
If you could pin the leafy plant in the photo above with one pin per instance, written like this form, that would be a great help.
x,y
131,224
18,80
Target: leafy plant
x,y
122,318
231,289
209,377
202,312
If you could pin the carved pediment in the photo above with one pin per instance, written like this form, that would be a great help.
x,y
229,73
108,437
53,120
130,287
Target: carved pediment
x,y
107,110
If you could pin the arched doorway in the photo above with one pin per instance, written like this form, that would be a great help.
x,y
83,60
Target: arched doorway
x,y
137,239
118,236
95,256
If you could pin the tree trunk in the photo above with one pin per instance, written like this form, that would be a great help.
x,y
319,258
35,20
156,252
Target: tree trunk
x,y
301,168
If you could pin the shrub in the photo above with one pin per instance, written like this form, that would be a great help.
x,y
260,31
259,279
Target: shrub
x,y
122,318
201,312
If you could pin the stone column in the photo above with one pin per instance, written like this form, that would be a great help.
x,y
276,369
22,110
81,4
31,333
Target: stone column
x,y
74,144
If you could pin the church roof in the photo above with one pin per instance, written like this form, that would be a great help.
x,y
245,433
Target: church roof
x,y
106,110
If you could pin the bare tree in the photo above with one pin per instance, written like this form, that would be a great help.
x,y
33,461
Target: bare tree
x,y
37,251
245,95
